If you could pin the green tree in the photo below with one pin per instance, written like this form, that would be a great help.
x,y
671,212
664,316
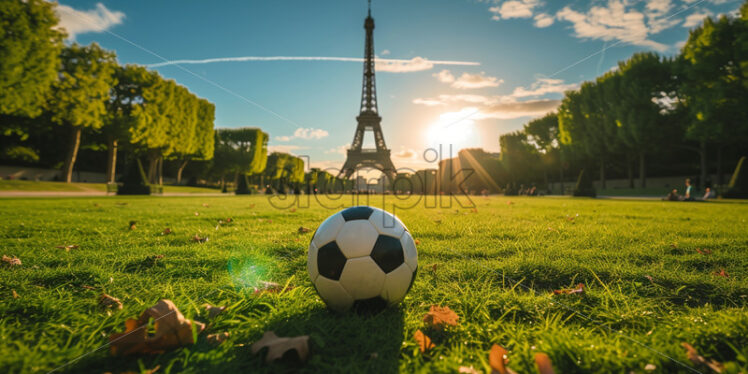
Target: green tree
x,y
203,137
714,85
644,88
544,134
30,48
80,95
240,151
284,170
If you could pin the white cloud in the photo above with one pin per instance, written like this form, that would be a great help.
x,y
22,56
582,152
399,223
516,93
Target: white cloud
x,y
695,19
82,21
497,107
612,22
407,154
467,80
543,20
514,9
444,76
385,52
285,148
341,149
302,133
543,86
427,102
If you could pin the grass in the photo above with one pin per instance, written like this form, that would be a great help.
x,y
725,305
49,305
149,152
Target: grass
x,y
46,186
496,267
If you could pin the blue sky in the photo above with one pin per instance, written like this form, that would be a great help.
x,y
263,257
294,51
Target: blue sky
x,y
506,62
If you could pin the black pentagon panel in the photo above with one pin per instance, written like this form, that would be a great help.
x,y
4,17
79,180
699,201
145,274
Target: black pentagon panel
x,y
370,306
357,212
412,279
330,261
388,253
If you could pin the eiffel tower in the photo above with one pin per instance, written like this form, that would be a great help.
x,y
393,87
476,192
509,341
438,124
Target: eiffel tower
x,y
369,120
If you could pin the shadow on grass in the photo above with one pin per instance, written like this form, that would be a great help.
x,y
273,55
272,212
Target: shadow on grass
x,y
339,343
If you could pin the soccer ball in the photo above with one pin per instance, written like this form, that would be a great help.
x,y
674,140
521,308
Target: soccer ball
x,y
362,257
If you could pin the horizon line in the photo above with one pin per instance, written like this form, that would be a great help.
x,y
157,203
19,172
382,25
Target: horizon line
x,y
308,58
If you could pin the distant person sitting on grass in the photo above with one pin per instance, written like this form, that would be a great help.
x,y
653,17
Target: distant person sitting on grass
x,y
672,196
709,194
689,191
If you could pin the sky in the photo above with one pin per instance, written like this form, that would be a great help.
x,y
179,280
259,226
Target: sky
x,y
449,72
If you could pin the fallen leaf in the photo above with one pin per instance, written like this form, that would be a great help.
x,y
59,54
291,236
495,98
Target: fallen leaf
x,y
87,287
552,229
438,317
172,331
229,220
704,251
418,242
132,225
722,273
15,294
292,210
433,267
474,210
698,359
424,342
468,370
251,206
497,359
213,311
198,239
67,248
437,221
650,367
544,363
197,213
649,277
217,338
509,202
106,301
11,261
579,290
167,231
278,346
303,230
206,205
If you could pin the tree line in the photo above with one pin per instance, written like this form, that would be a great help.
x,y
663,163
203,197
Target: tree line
x,y
692,106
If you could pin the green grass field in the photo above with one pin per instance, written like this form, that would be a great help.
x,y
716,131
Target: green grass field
x,y
647,288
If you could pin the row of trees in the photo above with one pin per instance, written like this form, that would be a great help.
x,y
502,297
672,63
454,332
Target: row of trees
x,y
85,91
693,105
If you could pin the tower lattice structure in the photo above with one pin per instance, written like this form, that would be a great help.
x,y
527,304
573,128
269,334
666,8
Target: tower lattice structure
x,y
369,120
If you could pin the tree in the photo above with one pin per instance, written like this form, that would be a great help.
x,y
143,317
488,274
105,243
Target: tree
x,y
544,134
518,157
30,48
284,170
80,94
714,85
584,186
203,137
644,90
240,151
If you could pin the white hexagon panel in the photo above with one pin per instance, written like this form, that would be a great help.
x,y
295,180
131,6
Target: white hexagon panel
x,y
362,278
333,293
357,238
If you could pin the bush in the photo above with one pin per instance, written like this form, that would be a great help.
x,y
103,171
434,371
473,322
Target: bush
x,y
738,187
584,186
133,182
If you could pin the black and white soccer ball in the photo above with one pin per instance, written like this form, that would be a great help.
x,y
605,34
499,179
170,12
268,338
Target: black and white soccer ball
x,y
362,257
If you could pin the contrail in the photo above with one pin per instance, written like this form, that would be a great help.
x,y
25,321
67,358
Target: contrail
x,y
387,61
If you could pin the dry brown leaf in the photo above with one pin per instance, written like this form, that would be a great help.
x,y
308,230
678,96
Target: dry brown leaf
x,y
474,210
578,290
172,331
497,359
509,202
11,261
67,248
424,342
15,294
197,213
198,239
206,205
292,210
704,251
468,370
438,317
303,230
418,242
543,363
649,277
433,267
217,338
106,301
251,206
132,225
167,231
213,311
722,273
278,346
697,359
87,287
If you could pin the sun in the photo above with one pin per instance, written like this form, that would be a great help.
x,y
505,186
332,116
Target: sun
x,y
453,128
